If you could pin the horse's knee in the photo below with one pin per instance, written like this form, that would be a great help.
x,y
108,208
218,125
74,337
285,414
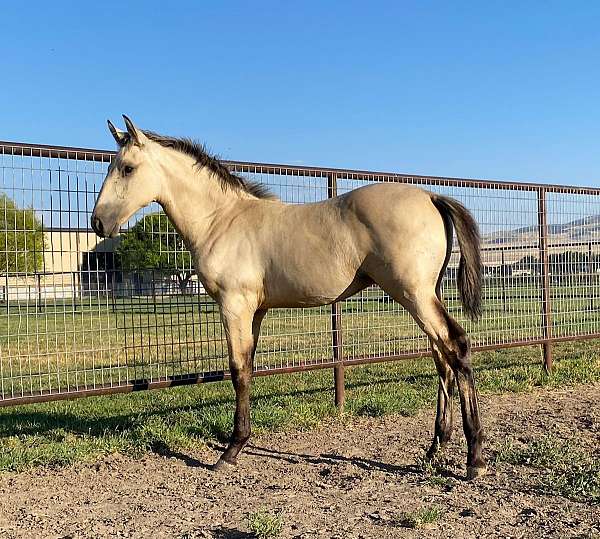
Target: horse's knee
x,y
241,372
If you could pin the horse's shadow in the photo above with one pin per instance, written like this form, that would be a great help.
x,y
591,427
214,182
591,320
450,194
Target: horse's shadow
x,y
162,449
327,458
230,533
404,470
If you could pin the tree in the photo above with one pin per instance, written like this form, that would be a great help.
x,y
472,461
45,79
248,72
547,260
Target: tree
x,y
569,262
22,238
153,243
527,263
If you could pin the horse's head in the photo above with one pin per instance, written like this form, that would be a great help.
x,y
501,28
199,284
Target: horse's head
x,y
133,180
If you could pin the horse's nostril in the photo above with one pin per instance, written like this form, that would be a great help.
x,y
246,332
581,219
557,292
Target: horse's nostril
x,y
97,226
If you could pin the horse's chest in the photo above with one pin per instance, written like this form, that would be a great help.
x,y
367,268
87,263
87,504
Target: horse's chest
x,y
220,276
208,276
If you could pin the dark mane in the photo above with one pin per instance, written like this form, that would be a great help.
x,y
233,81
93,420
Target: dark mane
x,y
227,178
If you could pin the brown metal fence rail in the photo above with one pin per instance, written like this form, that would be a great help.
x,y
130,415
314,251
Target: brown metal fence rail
x,y
78,318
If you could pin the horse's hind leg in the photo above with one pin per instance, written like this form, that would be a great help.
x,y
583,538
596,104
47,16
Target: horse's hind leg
x,y
457,350
454,348
444,419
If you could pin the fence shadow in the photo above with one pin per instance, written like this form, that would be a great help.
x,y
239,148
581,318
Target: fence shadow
x,y
37,421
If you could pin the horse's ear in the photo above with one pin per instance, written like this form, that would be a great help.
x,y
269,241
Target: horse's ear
x,y
135,134
121,137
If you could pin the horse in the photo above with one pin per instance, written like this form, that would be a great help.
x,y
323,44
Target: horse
x,y
253,252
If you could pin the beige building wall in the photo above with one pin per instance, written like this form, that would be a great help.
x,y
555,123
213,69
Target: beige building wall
x,y
65,249
63,259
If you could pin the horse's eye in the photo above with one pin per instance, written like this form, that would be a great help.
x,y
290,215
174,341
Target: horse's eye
x,y
127,170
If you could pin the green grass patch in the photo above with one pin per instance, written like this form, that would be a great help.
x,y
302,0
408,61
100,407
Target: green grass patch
x,y
439,481
431,471
264,525
421,518
183,418
565,469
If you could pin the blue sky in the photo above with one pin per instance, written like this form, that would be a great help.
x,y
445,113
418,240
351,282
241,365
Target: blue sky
x,y
506,90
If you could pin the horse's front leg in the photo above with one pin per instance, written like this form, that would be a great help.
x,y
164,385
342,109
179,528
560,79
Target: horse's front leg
x,y
241,330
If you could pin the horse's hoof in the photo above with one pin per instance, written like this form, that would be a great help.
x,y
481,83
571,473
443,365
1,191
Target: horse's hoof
x,y
432,452
473,472
223,466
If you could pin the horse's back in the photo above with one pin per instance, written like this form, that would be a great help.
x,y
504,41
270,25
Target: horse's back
x,y
390,210
376,198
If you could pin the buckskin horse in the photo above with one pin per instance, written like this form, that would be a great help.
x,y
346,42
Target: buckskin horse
x,y
253,252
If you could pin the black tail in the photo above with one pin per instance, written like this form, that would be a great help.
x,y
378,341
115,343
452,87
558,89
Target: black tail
x,y
470,270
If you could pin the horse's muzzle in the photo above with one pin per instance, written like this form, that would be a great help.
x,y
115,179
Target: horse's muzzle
x,y
97,226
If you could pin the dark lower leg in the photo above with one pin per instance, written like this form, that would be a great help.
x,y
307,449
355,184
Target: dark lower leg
x,y
241,376
444,419
459,358
241,421
471,421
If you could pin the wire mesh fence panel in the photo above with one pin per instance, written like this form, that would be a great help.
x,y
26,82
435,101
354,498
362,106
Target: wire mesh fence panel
x,y
56,335
574,263
82,315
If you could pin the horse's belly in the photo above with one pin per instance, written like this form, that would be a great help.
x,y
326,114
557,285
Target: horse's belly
x,y
284,293
321,289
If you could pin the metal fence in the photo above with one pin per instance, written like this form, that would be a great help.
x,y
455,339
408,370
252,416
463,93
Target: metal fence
x,y
84,316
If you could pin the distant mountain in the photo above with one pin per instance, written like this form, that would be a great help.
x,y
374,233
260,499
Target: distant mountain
x,y
579,230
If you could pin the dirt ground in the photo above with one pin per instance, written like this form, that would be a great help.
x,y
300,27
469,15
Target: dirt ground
x,y
342,480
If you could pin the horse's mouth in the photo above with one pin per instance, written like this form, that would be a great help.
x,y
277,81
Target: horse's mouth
x,y
100,230
114,231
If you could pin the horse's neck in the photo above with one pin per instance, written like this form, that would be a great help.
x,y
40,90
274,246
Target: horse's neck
x,y
193,199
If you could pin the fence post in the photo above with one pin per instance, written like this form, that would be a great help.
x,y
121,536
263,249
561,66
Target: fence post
x,y
38,282
153,292
546,306
338,370
590,269
336,325
503,276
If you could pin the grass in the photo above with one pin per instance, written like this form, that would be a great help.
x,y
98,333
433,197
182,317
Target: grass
x,y
420,518
183,418
563,468
431,473
439,481
264,525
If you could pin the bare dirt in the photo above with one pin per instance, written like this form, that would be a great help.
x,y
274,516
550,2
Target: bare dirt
x,y
347,479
